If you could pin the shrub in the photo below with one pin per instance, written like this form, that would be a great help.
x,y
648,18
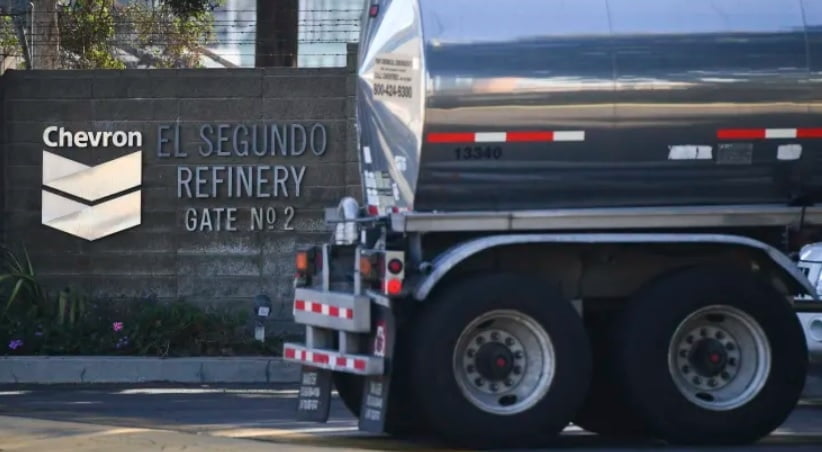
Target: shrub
x,y
37,322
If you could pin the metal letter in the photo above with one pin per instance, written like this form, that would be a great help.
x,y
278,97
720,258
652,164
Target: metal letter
x,y
260,181
242,151
280,181
161,141
191,220
206,140
222,138
298,179
279,138
200,181
183,183
303,139
324,133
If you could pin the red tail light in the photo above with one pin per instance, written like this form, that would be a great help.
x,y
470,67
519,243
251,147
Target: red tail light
x,y
393,286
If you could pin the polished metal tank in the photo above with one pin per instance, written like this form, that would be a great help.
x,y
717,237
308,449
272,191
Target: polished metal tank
x,y
539,104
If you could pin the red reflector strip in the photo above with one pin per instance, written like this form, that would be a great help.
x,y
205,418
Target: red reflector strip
x,y
507,137
520,137
768,134
323,309
809,133
328,359
741,134
450,137
373,210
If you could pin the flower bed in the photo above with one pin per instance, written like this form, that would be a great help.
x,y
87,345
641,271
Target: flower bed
x,y
36,321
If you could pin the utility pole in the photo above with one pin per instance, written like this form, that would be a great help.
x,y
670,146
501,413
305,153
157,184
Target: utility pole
x,y
277,28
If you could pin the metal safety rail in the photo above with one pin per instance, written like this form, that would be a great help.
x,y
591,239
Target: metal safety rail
x,y
331,315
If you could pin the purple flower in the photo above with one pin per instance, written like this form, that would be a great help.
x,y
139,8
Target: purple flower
x,y
117,326
15,344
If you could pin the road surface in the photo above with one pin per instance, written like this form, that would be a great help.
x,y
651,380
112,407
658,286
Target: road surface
x,y
221,418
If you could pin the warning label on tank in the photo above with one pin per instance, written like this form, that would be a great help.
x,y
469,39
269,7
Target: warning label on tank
x,y
395,76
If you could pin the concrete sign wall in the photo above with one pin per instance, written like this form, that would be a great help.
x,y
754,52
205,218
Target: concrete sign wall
x,y
179,184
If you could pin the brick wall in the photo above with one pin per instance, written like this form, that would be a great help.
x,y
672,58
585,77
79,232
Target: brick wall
x,y
161,257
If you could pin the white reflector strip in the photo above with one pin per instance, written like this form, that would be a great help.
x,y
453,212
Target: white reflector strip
x,y
780,133
490,137
569,136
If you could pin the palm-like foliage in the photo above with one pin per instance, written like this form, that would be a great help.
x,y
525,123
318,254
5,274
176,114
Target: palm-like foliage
x,y
18,280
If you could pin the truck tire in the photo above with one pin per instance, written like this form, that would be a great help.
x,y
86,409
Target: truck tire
x,y
711,355
499,360
606,411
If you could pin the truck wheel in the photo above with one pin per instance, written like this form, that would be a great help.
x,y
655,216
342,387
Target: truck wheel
x,y
712,356
606,411
500,360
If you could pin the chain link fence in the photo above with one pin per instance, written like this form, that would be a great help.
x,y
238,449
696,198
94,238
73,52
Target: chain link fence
x,y
121,34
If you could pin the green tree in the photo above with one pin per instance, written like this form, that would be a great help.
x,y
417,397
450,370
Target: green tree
x,y
87,29
104,34
8,38
171,34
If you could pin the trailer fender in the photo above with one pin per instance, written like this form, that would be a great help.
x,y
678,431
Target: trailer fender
x,y
451,258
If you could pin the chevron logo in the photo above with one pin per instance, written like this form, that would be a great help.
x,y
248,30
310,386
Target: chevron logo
x,y
103,200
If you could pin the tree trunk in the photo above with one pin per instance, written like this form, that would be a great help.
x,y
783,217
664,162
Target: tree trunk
x,y
45,40
276,43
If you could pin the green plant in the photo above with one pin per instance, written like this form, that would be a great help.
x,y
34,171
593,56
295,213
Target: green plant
x,y
19,281
168,35
9,45
68,322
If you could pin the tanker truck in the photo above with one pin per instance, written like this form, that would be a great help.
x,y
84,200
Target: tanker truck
x,y
573,211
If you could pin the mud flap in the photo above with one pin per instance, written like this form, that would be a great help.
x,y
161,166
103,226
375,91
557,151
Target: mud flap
x,y
374,410
314,401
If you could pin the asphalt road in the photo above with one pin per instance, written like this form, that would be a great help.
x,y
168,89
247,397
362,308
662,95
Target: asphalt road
x,y
212,418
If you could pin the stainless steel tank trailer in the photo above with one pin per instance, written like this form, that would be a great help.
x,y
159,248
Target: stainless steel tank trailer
x,y
582,211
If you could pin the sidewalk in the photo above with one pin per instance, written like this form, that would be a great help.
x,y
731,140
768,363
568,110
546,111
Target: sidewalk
x,y
105,369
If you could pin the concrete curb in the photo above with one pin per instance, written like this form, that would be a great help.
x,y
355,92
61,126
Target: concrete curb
x,y
115,369
130,370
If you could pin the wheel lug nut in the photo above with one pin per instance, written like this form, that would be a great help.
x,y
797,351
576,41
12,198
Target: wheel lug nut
x,y
517,370
470,353
720,335
712,383
686,369
518,354
494,387
470,369
508,382
495,336
725,375
703,332
479,382
683,353
731,361
689,339
697,381
509,341
730,346
480,340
